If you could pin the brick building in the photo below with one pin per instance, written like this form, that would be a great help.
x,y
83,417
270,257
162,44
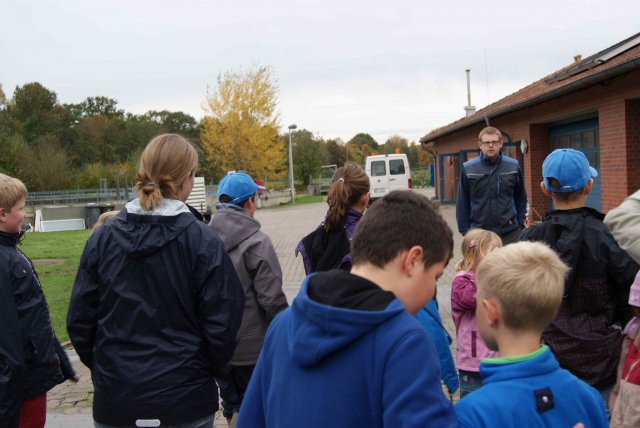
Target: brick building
x,y
592,105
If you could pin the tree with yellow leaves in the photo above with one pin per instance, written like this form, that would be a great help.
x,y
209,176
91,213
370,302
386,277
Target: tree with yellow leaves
x,y
241,132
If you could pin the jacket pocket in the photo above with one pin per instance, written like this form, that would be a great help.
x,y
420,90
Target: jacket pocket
x,y
474,350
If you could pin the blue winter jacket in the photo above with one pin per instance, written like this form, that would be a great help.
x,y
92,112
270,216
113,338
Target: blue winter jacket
x,y
531,392
431,321
491,195
327,366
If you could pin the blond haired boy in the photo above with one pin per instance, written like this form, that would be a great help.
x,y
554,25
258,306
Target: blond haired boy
x,y
520,288
31,358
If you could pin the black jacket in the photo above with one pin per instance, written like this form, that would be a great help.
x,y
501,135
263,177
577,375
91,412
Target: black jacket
x,y
583,335
31,358
154,313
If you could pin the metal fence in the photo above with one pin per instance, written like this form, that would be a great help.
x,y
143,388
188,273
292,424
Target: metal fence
x,y
78,196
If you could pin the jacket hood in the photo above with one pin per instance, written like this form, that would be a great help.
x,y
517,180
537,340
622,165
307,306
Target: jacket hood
x,y
140,233
234,226
316,330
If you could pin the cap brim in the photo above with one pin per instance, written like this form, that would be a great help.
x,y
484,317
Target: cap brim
x,y
261,187
594,173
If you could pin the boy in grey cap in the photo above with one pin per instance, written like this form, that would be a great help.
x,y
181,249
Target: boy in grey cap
x,y
257,266
585,336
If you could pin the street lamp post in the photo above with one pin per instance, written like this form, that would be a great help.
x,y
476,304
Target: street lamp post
x,y
291,186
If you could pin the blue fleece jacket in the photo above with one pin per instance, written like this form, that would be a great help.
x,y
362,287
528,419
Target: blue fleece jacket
x,y
326,366
530,391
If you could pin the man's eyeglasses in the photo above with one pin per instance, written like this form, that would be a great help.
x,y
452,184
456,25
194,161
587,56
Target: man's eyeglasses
x,y
491,143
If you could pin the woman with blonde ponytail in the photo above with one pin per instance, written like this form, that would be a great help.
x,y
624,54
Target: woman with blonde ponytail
x,y
328,247
156,303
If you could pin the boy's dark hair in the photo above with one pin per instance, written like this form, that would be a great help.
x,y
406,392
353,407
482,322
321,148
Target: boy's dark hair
x,y
563,196
225,199
396,223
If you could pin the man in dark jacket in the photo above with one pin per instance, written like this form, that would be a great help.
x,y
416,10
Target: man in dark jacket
x,y
584,336
259,271
491,193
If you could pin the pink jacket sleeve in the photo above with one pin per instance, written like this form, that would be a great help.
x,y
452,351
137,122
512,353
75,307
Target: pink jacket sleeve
x,y
463,291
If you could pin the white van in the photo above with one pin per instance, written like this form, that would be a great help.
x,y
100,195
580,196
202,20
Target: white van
x,y
387,173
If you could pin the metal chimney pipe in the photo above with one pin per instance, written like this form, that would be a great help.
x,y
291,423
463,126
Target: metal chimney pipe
x,y
469,108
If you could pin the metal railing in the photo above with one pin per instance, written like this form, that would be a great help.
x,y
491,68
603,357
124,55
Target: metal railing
x,y
78,196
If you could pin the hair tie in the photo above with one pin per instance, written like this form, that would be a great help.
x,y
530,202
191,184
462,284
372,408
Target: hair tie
x,y
151,183
472,244
341,179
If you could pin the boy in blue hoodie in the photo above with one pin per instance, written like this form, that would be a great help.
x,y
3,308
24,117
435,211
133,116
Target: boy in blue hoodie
x,y
520,288
347,352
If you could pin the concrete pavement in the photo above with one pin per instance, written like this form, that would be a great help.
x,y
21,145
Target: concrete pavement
x,y
69,404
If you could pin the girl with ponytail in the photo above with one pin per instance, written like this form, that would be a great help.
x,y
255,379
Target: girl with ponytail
x,y
328,247
156,303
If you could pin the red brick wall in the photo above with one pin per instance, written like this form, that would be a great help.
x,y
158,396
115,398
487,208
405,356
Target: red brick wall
x,y
617,103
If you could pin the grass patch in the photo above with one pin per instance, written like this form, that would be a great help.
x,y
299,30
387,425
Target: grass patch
x,y
57,279
306,199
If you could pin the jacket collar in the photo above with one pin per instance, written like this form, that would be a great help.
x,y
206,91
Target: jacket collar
x,y
11,239
486,161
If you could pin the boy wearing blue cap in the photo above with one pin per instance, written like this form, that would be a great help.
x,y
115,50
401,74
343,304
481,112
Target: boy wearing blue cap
x,y
585,336
258,269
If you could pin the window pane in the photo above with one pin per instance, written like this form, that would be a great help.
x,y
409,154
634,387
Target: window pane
x,y
576,141
378,168
588,140
564,142
396,166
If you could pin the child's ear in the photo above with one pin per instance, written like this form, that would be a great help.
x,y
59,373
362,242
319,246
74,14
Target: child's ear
x,y
546,191
492,309
588,187
413,258
3,215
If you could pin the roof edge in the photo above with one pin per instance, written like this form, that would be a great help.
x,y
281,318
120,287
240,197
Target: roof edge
x,y
593,79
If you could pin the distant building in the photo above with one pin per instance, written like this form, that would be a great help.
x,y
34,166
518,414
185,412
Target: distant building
x,y
592,105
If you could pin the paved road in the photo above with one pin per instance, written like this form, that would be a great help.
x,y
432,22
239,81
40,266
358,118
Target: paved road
x,y
69,404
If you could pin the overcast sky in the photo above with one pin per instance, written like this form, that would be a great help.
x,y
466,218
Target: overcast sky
x,y
383,67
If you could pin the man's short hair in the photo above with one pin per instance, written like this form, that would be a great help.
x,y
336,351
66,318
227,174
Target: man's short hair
x,y
490,130
527,279
12,190
396,223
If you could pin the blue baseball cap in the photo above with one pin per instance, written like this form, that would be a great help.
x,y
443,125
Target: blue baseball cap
x,y
570,167
238,186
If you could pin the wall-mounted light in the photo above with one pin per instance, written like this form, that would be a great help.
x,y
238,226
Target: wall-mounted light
x,y
524,146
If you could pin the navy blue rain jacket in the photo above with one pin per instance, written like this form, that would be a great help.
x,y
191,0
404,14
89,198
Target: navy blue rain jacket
x,y
491,196
154,313
31,358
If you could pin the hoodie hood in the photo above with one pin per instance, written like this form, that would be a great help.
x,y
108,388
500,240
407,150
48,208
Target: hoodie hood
x,y
140,232
234,226
316,330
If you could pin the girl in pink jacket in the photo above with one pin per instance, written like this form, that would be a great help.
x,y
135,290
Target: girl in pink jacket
x,y
471,349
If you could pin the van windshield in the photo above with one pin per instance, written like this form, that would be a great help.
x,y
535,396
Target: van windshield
x,y
396,167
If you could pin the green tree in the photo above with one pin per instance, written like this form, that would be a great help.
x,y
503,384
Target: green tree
x,y
241,130
96,106
175,122
336,152
37,111
363,139
309,155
